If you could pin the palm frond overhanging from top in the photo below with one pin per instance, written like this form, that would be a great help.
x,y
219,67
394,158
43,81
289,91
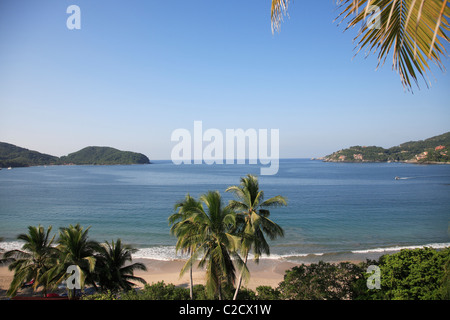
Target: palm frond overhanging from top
x,y
414,31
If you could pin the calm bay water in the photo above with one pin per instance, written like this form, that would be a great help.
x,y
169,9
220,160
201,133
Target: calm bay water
x,y
335,210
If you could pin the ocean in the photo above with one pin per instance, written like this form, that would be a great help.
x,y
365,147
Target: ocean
x,y
335,212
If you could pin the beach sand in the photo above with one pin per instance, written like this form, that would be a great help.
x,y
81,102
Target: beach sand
x,y
268,273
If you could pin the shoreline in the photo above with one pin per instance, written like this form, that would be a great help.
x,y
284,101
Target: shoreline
x,y
268,272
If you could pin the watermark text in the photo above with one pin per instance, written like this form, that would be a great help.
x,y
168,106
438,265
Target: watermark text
x,y
235,146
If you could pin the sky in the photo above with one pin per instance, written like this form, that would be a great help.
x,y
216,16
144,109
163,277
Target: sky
x,y
138,70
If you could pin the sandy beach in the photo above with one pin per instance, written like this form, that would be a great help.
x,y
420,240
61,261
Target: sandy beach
x,y
268,272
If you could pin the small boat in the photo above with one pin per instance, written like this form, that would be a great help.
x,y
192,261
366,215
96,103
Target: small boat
x,y
9,168
397,178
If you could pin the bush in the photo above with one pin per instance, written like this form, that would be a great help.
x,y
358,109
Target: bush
x,y
321,281
227,293
158,291
100,296
419,274
268,293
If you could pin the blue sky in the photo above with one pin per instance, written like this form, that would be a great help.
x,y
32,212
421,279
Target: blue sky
x,y
138,70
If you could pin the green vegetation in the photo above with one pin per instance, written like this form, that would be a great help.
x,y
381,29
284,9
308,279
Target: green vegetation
x,y
410,274
322,281
104,266
34,261
13,156
220,235
210,232
419,274
253,219
163,291
431,150
184,228
116,270
217,236
103,156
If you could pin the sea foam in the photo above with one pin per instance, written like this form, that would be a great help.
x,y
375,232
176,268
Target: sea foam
x,y
168,253
398,248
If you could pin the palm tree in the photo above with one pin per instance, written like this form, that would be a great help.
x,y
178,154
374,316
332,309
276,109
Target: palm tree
x,y
216,245
33,261
1,250
184,228
113,272
76,249
253,219
411,29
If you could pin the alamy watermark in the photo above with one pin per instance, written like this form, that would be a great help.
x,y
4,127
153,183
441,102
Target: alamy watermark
x,y
374,20
74,280
74,20
374,280
233,146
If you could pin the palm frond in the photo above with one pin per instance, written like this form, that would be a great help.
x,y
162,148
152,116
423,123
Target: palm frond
x,y
413,31
278,10
276,201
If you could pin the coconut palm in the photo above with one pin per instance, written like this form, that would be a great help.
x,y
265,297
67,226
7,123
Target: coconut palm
x,y
413,30
216,245
33,261
1,249
76,249
184,228
113,269
253,219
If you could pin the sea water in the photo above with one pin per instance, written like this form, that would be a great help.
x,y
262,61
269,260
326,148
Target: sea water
x,y
335,211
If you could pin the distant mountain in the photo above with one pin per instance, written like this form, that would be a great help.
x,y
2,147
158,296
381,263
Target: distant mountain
x,y
14,156
104,155
431,150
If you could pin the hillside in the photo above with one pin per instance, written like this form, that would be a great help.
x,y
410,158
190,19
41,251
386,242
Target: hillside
x,y
14,156
104,156
431,150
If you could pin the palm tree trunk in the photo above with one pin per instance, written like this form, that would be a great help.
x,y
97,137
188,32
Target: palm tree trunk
x,y
240,278
191,285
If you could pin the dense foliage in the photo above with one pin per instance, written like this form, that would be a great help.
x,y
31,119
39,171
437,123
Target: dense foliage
x,y
322,281
434,149
221,237
103,155
419,274
44,261
14,156
163,291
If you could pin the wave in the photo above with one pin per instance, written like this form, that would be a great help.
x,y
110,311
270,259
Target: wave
x,y
11,245
398,248
164,253
168,253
